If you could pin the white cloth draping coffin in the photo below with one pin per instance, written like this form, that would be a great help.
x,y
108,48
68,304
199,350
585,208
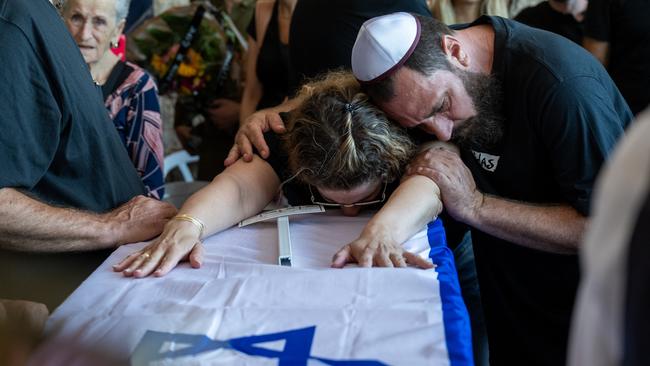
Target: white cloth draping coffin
x,y
241,308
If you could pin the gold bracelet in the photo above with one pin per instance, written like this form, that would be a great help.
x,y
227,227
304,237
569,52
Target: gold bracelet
x,y
198,223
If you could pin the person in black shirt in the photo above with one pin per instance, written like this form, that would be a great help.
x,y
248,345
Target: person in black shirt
x,y
67,184
617,32
561,17
267,58
535,117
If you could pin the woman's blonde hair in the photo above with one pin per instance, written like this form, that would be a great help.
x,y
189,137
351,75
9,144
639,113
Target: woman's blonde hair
x,y
338,140
443,10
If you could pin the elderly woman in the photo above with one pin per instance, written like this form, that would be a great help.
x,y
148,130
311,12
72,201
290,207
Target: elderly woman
x,y
130,94
339,150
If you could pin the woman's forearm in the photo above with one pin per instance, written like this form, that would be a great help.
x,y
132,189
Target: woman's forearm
x,y
413,204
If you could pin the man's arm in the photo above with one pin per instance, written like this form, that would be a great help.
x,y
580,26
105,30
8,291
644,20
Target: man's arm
x,y
552,228
32,226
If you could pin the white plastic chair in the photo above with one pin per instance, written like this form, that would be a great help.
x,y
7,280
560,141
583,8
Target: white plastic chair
x,y
180,159
177,192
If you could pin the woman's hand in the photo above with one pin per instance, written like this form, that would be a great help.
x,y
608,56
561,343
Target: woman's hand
x,y
179,241
377,247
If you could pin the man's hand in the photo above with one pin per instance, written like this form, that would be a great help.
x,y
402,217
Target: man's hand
x,y
377,249
460,196
223,113
140,219
251,133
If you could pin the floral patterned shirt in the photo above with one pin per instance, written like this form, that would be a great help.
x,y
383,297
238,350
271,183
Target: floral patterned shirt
x,y
135,110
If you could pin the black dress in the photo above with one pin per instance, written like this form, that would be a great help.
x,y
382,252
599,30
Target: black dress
x,y
272,63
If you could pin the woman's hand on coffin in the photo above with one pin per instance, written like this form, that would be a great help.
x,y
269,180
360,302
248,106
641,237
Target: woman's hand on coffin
x,y
379,249
178,242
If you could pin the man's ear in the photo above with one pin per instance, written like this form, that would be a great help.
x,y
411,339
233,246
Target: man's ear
x,y
454,51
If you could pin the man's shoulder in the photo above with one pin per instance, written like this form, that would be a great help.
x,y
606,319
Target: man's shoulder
x,y
534,52
22,13
34,23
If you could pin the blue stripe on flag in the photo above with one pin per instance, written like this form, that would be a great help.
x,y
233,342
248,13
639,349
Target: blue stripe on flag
x,y
454,313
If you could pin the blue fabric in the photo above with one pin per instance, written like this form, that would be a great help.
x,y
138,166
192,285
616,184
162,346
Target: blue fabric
x,y
469,288
454,312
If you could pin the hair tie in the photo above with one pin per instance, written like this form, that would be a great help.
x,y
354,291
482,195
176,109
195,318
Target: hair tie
x,y
349,108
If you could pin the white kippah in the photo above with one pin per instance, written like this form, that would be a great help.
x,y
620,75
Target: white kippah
x,y
383,45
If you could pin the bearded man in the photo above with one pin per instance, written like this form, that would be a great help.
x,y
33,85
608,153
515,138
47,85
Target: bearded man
x,y
535,116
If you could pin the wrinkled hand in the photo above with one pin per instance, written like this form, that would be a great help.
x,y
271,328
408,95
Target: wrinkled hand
x,y
379,250
223,113
140,219
252,133
460,196
178,242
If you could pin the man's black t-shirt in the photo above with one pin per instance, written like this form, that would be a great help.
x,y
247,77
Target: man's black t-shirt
x,y
563,117
624,25
542,16
323,32
57,142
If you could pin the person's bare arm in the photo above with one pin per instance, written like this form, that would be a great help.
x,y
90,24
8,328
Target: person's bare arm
x,y
599,49
252,87
413,204
29,225
554,228
550,228
239,192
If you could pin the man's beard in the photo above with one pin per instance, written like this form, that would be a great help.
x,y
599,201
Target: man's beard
x,y
485,129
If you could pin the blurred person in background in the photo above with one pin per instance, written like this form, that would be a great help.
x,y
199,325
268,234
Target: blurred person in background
x,y
563,17
267,59
207,127
466,11
617,33
130,93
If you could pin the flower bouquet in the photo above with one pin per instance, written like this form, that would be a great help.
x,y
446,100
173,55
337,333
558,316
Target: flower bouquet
x,y
191,52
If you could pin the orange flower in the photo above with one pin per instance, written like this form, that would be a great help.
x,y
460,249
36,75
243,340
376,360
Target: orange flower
x,y
187,71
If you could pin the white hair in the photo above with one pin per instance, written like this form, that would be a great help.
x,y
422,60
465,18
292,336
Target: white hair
x,y
121,9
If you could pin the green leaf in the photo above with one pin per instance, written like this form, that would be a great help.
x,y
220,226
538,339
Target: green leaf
x,y
178,24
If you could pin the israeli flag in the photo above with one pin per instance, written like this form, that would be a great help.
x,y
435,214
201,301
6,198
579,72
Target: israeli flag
x,y
241,308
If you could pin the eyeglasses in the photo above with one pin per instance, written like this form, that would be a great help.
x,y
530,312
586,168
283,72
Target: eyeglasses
x,y
330,204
